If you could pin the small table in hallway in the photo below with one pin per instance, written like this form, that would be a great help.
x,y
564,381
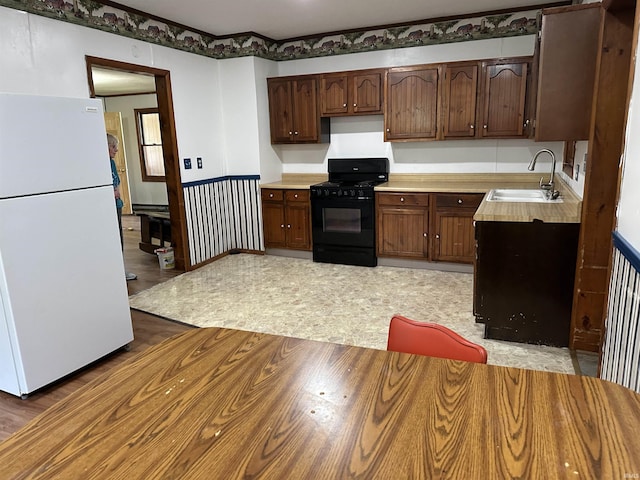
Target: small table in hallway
x,y
220,403
154,225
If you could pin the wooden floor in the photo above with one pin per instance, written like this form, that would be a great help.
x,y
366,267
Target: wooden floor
x,y
148,330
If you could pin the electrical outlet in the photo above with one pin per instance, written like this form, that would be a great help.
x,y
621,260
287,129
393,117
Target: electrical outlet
x,y
187,164
199,162
584,162
577,172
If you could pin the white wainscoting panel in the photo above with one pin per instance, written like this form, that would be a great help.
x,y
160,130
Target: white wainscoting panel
x,y
223,214
620,361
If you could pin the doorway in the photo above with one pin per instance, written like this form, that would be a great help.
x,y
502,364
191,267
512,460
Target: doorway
x,y
175,198
113,125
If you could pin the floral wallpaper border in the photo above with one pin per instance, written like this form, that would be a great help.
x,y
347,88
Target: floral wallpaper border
x,y
93,14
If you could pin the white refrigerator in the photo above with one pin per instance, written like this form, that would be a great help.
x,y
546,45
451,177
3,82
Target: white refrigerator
x,y
63,293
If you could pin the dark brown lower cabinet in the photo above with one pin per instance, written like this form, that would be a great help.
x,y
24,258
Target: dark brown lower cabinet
x,y
286,217
453,231
523,280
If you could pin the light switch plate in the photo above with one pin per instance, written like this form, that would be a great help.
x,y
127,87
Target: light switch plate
x,y
187,164
199,162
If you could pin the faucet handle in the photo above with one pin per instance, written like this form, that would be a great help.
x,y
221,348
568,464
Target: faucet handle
x,y
547,186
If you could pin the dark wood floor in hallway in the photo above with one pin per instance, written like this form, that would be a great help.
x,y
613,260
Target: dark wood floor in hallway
x,y
148,330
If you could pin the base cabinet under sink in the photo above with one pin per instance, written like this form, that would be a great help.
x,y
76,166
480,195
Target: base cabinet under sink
x,y
523,280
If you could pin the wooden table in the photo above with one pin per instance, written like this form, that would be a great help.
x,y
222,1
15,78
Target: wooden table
x,y
217,403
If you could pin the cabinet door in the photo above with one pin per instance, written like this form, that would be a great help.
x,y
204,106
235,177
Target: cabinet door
x,y
280,111
504,99
305,111
403,232
568,54
411,104
454,239
366,91
298,230
334,94
274,226
460,94
453,228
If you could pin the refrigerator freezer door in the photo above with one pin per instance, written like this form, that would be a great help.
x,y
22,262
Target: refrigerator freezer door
x,y
63,281
51,144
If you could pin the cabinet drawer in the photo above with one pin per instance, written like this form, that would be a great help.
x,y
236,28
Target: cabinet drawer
x,y
272,194
466,200
418,199
297,195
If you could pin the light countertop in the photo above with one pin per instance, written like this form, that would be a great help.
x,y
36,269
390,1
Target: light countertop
x,y
569,211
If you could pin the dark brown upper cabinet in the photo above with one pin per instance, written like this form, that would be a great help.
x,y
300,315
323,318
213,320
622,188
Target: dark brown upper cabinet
x,y
293,111
504,88
460,98
568,50
411,103
351,93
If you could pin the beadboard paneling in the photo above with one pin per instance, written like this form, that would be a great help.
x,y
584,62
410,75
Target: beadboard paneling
x,y
223,214
621,347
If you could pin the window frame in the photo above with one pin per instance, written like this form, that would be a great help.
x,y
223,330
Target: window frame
x,y
139,112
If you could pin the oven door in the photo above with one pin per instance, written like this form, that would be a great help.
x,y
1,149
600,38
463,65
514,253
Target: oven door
x,y
343,221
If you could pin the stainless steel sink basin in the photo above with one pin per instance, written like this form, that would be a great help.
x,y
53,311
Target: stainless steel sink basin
x,y
520,195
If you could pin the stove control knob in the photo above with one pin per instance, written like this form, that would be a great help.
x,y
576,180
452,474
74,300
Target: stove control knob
x,y
361,193
339,193
352,193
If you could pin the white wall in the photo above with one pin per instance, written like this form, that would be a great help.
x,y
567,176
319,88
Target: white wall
x,y
146,193
221,109
239,104
363,136
47,57
629,201
270,164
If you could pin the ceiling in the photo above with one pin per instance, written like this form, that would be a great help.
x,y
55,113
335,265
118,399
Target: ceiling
x,y
284,19
108,82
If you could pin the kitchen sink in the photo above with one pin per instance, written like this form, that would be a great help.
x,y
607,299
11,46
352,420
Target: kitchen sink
x,y
520,195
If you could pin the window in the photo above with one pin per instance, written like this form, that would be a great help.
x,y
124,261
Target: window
x,y
150,144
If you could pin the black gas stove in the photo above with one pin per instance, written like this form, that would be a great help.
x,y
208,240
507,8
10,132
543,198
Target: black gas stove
x,y
343,211
343,189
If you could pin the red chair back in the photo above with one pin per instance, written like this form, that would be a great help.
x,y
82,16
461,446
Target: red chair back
x,y
433,340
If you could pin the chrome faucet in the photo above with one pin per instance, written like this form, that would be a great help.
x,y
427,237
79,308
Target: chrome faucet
x,y
551,192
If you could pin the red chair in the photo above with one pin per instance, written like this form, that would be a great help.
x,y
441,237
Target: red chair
x,y
432,340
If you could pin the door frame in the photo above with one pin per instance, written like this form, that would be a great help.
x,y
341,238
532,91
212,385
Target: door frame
x,y
175,193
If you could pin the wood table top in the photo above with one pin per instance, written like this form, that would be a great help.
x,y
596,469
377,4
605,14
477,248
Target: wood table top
x,y
219,403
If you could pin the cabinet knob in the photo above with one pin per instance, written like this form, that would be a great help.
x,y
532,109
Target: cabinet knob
x,y
424,235
459,201
295,133
282,225
388,130
484,126
472,127
344,105
295,195
271,195
355,104
288,226
437,235
290,133
402,199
